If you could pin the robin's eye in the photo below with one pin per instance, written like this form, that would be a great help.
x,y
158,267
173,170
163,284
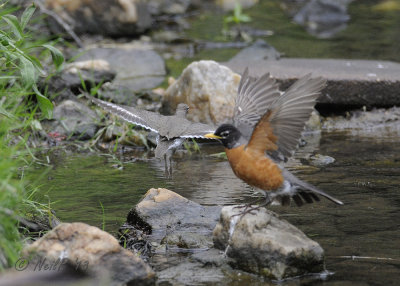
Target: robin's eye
x,y
225,134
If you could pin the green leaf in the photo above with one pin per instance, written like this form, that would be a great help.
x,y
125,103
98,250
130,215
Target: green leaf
x,y
36,63
57,56
27,15
6,11
228,19
28,71
244,18
6,113
13,22
237,10
45,104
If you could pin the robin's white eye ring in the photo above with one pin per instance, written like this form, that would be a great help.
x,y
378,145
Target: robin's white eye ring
x,y
225,134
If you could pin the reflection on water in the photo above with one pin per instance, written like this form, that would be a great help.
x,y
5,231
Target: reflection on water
x,y
361,238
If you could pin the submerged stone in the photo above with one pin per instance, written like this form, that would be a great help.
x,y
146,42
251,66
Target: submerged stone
x,y
266,245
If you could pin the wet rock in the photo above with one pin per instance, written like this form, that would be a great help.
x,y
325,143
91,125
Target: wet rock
x,y
262,243
208,88
375,123
115,18
104,17
137,68
91,250
351,83
228,5
117,93
166,36
90,71
318,160
68,82
323,18
174,220
73,119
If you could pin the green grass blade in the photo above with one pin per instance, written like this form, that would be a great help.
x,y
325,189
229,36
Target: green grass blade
x,y
58,58
14,24
45,104
28,71
27,15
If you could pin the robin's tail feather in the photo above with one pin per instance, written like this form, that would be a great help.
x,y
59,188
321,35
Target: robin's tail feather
x,y
304,191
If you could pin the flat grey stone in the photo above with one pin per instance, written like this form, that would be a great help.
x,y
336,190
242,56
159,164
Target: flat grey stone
x,y
350,82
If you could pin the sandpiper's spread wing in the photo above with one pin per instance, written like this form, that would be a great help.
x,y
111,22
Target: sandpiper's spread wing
x,y
255,96
143,118
167,126
291,110
197,130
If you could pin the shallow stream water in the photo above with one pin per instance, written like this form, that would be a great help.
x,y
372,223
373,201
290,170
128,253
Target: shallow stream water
x,y
361,239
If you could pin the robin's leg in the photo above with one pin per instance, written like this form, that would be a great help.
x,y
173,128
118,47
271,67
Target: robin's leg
x,y
262,202
170,166
165,165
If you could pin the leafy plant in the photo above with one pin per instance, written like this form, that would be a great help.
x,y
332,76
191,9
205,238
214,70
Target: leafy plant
x,y
238,16
20,69
19,65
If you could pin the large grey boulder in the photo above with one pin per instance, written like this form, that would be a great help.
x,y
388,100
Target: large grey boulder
x,y
91,250
208,88
261,243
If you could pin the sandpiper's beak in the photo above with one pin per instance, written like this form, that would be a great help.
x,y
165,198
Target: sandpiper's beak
x,y
212,136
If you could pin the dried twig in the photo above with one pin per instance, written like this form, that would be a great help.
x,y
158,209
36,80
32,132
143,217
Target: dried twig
x,y
60,21
355,257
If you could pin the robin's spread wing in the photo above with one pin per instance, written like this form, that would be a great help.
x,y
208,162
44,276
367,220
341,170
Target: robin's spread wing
x,y
255,96
263,138
292,109
145,119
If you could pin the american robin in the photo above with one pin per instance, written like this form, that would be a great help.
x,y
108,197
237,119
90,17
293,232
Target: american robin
x,y
265,129
171,130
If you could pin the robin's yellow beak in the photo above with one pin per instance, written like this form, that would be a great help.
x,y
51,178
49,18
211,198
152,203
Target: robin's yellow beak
x,y
212,136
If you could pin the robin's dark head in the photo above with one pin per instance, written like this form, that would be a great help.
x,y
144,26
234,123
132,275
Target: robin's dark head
x,y
228,134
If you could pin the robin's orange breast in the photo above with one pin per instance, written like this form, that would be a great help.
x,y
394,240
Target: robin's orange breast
x,y
254,168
